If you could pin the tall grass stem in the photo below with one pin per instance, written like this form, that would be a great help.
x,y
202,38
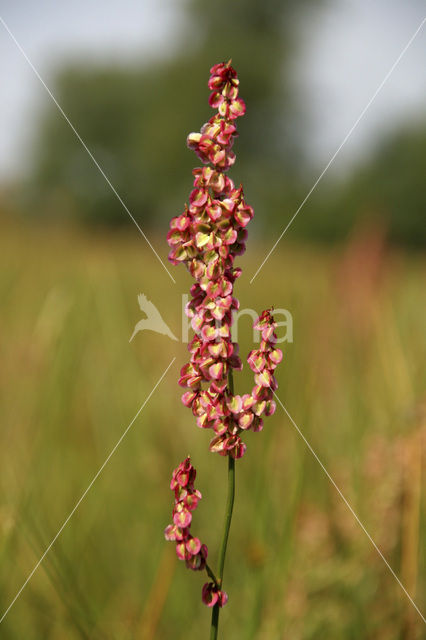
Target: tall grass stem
x,y
227,525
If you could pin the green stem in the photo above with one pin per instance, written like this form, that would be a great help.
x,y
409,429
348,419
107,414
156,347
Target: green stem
x,y
215,622
212,575
227,526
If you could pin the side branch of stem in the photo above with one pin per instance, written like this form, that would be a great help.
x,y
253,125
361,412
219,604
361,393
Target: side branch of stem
x,y
227,526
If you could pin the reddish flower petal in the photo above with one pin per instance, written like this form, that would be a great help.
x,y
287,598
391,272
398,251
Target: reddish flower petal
x,y
181,550
193,545
270,408
243,215
234,404
238,451
237,108
198,197
214,211
256,360
217,444
248,401
245,420
179,254
275,356
193,139
263,379
170,532
209,594
209,332
191,500
216,370
217,349
182,518
215,99
259,407
188,397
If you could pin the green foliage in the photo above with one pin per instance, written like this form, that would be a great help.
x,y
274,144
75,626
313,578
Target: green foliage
x,y
388,189
391,186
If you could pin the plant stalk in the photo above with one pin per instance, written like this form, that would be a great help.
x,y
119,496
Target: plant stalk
x,y
227,525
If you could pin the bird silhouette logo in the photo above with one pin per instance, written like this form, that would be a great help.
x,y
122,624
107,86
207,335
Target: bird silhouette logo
x,y
153,321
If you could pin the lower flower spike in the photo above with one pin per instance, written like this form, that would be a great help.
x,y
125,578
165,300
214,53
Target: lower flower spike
x,y
188,548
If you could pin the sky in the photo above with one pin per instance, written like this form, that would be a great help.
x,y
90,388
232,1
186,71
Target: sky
x,y
347,53
347,48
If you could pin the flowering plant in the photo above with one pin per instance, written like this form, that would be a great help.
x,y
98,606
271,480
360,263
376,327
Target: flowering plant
x,y
207,237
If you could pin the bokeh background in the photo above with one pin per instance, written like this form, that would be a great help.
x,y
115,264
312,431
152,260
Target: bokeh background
x,y
351,270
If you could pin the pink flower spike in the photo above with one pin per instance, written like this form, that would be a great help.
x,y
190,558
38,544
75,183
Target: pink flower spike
x,y
207,237
188,548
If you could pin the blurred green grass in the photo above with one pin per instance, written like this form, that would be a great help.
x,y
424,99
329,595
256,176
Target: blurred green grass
x,y
298,566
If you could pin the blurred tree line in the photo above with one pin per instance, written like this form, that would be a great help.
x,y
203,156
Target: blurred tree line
x,y
387,188
135,119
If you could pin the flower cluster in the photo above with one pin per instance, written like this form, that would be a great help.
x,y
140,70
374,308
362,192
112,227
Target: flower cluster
x,y
263,362
207,237
188,548
214,142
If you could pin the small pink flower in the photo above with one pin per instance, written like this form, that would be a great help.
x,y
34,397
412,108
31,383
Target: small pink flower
x,y
197,562
181,516
211,594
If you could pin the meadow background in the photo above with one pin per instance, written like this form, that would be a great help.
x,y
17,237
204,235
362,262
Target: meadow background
x,y
351,271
